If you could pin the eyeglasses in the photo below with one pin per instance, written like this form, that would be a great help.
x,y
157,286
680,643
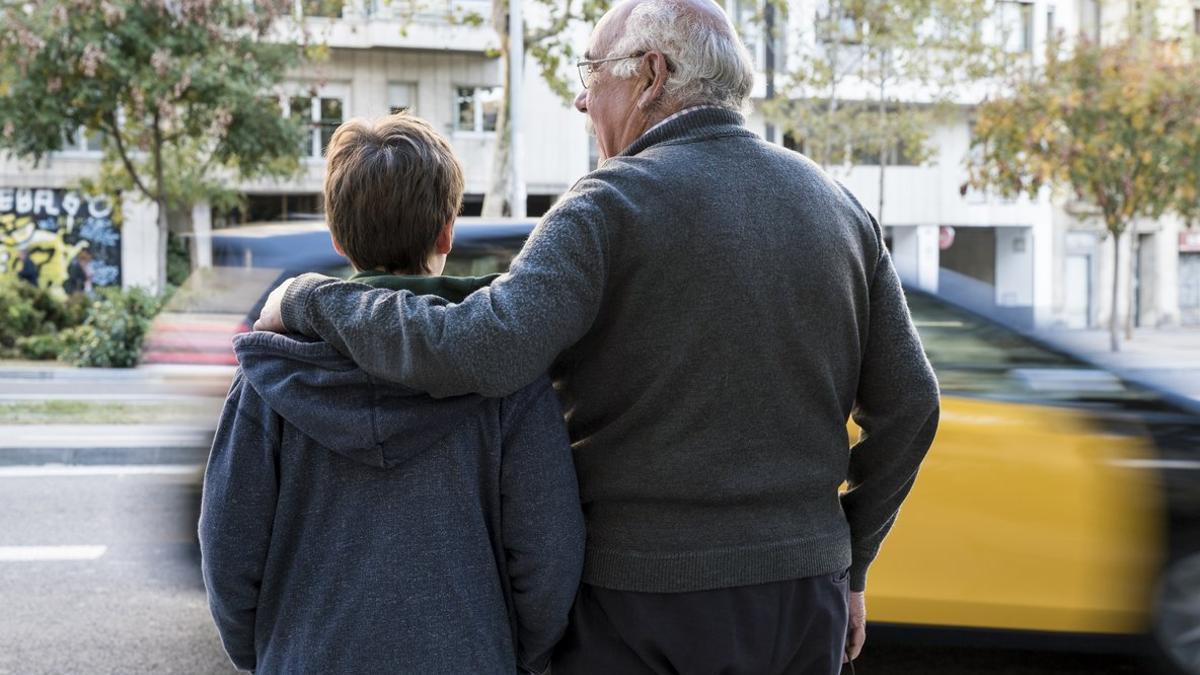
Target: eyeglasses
x,y
587,68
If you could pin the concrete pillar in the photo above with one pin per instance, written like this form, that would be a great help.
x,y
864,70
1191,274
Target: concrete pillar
x,y
1165,275
202,235
916,255
139,243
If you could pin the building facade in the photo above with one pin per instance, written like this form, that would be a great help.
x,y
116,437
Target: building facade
x,y
1038,262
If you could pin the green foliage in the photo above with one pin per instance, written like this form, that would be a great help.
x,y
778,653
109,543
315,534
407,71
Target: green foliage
x,y
22,313
112,335
174,89
43,347
848,88
1115,126
31,318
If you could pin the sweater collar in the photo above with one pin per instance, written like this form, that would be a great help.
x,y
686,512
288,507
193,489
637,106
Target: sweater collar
x,y
697,123
454,289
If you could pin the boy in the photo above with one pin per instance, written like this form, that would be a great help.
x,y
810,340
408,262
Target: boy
x,y
352,525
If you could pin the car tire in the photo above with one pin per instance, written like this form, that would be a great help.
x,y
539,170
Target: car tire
x,y
1177,616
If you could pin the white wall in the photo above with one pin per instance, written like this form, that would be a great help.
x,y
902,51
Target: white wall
x,y
139,243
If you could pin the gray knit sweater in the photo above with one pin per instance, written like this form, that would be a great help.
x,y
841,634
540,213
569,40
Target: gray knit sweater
x,y
713,309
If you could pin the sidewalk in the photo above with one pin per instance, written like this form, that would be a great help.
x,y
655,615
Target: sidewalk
x,y
100,444
162,391
1164,357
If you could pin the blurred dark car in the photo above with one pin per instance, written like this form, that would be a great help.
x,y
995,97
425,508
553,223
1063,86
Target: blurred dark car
x,y
198,324
1059,500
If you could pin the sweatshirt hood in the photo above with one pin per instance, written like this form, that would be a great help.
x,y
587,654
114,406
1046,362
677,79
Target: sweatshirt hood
x,y
328,398
338,405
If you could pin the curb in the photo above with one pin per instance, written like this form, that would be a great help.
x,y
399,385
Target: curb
x,y
104,456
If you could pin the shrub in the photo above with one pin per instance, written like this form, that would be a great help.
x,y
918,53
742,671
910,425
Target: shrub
x,y
112,334
22,313
44,347
31,318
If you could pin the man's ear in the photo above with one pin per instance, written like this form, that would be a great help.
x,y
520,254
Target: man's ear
x,y
445,239
653,74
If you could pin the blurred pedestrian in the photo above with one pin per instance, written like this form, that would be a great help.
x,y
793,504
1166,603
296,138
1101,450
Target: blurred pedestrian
x,y
713,309
27,270
79,273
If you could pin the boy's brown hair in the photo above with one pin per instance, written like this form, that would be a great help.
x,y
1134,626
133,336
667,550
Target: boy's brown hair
x,y
390,187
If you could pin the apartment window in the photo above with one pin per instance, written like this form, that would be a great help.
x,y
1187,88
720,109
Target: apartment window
x,y
401,96
839,24
478,108
750,17
83,141
749,26
322,115
1089,19
1050,20
1016,26
1196,20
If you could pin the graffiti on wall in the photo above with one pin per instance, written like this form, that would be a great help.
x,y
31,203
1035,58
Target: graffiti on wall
x,y
59,240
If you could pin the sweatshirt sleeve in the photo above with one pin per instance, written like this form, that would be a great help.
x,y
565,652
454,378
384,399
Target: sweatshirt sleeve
x,y
236,514
496,341
896,407
542,524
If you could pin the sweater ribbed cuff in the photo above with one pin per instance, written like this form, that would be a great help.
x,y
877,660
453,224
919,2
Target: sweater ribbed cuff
x,y
294,311
858,570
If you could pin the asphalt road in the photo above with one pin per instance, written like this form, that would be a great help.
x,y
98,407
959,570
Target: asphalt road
x,y
137,608
114,585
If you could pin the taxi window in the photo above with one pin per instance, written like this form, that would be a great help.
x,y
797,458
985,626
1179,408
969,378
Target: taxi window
x,y
974,356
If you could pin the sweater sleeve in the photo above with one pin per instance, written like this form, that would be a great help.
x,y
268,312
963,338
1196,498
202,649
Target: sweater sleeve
x,y
542,524
236,514
496,341
896,407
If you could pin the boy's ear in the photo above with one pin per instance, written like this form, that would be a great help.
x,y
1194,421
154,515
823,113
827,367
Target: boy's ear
x,y
445,239
338,247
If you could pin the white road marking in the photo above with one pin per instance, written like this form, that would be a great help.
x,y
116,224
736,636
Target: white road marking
x,y
59,470
48,553
1185,464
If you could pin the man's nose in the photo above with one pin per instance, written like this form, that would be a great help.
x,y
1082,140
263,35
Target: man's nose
x,y
581,101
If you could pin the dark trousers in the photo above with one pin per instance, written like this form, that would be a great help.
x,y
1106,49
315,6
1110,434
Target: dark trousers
x,y
789,627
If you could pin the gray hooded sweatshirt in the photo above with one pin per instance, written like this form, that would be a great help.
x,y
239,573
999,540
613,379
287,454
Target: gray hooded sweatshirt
x,y
351,525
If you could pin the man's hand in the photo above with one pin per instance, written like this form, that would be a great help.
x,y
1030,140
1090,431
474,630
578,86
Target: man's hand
x,y
272,313
856,632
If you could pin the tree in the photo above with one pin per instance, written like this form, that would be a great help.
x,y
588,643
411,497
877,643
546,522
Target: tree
x,y
871,78
548,39
175,88
1116,127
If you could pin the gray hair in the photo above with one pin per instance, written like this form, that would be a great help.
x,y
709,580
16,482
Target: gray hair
x,y
710,64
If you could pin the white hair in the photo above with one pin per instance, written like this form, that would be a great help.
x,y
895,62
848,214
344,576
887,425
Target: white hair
x,y
710,65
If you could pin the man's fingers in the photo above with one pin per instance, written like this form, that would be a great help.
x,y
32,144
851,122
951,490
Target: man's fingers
x,y
855,640
271,317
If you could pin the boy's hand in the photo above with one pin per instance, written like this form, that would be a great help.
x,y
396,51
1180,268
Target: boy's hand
x,y
856,632
272,313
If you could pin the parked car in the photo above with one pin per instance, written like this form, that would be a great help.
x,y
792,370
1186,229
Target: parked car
x,y
1059,500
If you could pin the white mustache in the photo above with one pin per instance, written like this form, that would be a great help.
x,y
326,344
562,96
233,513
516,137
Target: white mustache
x,y
589,126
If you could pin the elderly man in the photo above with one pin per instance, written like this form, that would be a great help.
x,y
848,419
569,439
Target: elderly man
x,y
713,309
